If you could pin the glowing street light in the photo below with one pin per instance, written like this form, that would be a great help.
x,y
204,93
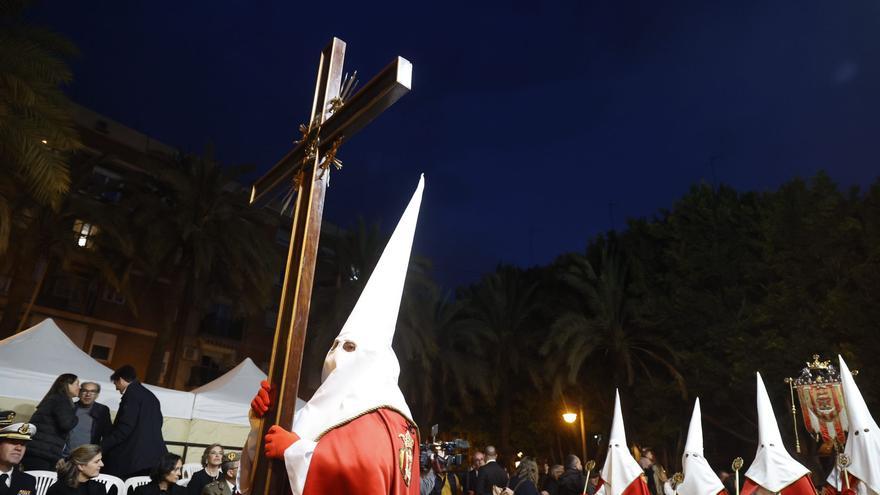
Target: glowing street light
x,y
570,417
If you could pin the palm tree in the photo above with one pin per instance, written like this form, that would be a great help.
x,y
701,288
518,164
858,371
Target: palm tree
x,y
37,134
602,336
52,244
498,312
195,228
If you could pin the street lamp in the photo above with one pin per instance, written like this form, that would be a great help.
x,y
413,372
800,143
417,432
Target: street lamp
x,y
570,417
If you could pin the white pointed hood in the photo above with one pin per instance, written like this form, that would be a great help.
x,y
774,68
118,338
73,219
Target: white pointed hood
x,y
773,468
863,441
621,468
356,381
699,478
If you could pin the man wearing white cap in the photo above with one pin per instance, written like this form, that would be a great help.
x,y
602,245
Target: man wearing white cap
x,y
621,474
699,478
13,444
356,434
863,442
774,470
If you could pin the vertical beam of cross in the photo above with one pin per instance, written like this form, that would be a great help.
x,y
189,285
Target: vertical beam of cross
x,y
293,311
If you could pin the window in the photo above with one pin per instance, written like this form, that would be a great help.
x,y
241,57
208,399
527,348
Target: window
x,y
84,233
103,185
102,346
110,295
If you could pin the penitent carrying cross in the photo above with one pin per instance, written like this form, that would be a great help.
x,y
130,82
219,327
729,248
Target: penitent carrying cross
x,y
336,116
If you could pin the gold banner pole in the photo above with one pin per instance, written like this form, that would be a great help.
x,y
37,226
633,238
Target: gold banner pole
x,y
797,441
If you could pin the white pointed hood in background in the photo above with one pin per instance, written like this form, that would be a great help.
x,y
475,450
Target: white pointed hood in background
x,y
699,478
863,441
773,468
621,468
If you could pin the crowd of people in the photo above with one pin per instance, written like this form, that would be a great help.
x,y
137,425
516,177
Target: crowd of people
x,y
528,476
487,476
71,433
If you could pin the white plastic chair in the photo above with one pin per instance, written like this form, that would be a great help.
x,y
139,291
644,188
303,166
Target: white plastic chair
x,y
111,481
183,481
134,482
189,469
45,479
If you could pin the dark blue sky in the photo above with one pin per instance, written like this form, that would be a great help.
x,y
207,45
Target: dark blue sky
x,y
528,118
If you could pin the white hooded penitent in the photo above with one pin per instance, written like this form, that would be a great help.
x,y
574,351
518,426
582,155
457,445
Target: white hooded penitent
x,y
361,370
773,468
620,469
699,478
863,441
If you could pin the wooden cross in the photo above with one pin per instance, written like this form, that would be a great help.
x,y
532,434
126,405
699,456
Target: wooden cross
x,y
306,168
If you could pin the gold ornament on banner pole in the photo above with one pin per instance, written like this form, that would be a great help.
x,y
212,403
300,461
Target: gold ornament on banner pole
x,y
677,479
737,465
843,463
590,465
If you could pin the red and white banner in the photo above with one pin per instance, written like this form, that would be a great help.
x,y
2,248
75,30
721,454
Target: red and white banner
x,y
824,411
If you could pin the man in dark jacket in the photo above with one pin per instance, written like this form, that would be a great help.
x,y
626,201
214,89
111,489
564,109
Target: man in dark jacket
x,y
94,417
572,480
491,474
14,438
134,444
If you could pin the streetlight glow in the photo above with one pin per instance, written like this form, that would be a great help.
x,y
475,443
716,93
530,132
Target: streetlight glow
x,y
569,417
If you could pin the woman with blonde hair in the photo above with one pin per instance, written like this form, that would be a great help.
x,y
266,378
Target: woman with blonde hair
x,y
525,482
212,458
77,473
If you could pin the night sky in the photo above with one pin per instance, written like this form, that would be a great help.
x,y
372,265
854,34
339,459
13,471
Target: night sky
x,y
537,124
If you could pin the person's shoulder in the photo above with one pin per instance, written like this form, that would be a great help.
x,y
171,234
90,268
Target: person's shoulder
x,y
23,482
213,487
94,487
24,477
144,489
101,407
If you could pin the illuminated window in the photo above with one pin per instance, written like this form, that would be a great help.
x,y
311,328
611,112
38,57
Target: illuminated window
x,y
84,233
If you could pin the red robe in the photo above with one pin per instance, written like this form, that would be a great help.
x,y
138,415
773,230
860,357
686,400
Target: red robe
x,y
637,487
366,456
803,486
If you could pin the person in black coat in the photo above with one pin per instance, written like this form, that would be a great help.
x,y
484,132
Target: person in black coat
x,y
54,418
164,478
77,473
134,444
572,480
491,474
14,438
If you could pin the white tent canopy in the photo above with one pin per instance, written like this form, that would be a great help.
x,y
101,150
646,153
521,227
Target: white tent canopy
x,y
31,360
227,399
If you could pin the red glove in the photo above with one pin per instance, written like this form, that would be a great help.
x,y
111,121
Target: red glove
x,y
263,400
277,441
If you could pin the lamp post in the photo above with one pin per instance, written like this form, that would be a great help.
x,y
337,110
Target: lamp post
x,y
570,417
